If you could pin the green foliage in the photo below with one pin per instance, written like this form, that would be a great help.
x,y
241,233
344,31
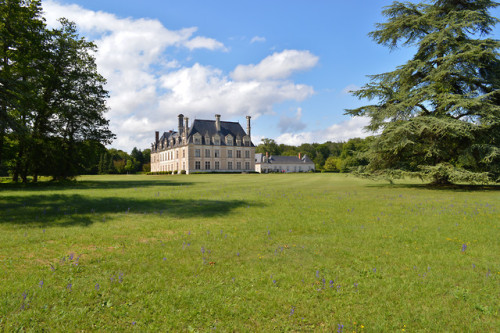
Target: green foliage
x,y
247,253
52,98
442,106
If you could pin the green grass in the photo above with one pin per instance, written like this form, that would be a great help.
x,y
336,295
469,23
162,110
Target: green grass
x,y
248,253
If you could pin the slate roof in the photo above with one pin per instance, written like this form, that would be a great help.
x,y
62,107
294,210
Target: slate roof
x,y
207,127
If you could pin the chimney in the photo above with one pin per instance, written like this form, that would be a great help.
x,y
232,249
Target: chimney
x,y
157,136
186,127
248,125
181,123
217,122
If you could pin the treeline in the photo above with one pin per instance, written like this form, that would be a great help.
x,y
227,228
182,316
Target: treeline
x,y
114,161
52,99
328,156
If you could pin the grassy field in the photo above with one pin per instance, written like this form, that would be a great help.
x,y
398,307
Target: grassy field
x,y
294,252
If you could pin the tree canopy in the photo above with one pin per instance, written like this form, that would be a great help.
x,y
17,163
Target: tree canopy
x,y
52,97
438,115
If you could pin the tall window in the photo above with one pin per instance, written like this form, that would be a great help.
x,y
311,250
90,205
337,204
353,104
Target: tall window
x,y
207,152
197,153
216,153
247,165
197,141
183,153
230,153
247,154
238,154
197,165
216,165
207,165
229,141
238,165
177,154
230,165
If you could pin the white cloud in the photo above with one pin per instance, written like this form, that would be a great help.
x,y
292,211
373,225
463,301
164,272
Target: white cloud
x,y
276,66
350,89
293,123
258,39
351,128
149,87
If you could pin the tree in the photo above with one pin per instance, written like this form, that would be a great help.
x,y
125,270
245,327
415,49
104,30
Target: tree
x,y
439,113
268,146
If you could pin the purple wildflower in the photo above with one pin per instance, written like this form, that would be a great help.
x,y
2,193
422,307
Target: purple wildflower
x,y
97,286
331,283
52,268
71,256
69,286
464,247
25,295
40,284
317,274
340,328
292,310
202,249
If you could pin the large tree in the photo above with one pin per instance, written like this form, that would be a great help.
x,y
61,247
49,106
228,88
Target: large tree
x,y
52,99
438,115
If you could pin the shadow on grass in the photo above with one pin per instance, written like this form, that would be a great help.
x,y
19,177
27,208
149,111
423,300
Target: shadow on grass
x,y
72,210
91,184
450,187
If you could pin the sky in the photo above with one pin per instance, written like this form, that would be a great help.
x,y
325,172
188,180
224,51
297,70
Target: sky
x,y
289,64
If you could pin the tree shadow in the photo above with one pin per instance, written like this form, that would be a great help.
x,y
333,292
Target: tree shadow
x,y
91,184
448,187
72,210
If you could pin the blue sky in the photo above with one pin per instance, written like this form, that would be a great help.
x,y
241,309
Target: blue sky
x,y
288,64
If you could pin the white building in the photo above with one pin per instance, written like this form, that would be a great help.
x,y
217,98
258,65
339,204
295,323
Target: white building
x,y
266,163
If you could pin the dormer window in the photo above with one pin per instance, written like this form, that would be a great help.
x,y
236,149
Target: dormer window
x,y
229,141
207,140
238,142
197,139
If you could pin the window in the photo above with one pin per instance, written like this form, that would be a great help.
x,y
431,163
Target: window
x,y
183,153
216,165
247,154
216,153
216,142
197,141
177,154
207,152
238,142
183,165
230,153
230,165
247,165
238,154
207,165
207,140
238,165
197,153
197,165
229,141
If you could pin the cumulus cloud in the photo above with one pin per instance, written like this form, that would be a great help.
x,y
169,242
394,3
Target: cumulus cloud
x,y
351,128
149,87
279,65
293,123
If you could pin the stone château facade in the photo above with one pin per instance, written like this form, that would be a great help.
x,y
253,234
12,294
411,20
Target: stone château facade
x,y
206,146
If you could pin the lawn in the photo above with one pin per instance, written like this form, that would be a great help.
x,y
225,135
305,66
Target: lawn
x,y
282,252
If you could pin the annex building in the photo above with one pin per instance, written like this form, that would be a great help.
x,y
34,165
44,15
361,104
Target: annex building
x,y
265,163
206,146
